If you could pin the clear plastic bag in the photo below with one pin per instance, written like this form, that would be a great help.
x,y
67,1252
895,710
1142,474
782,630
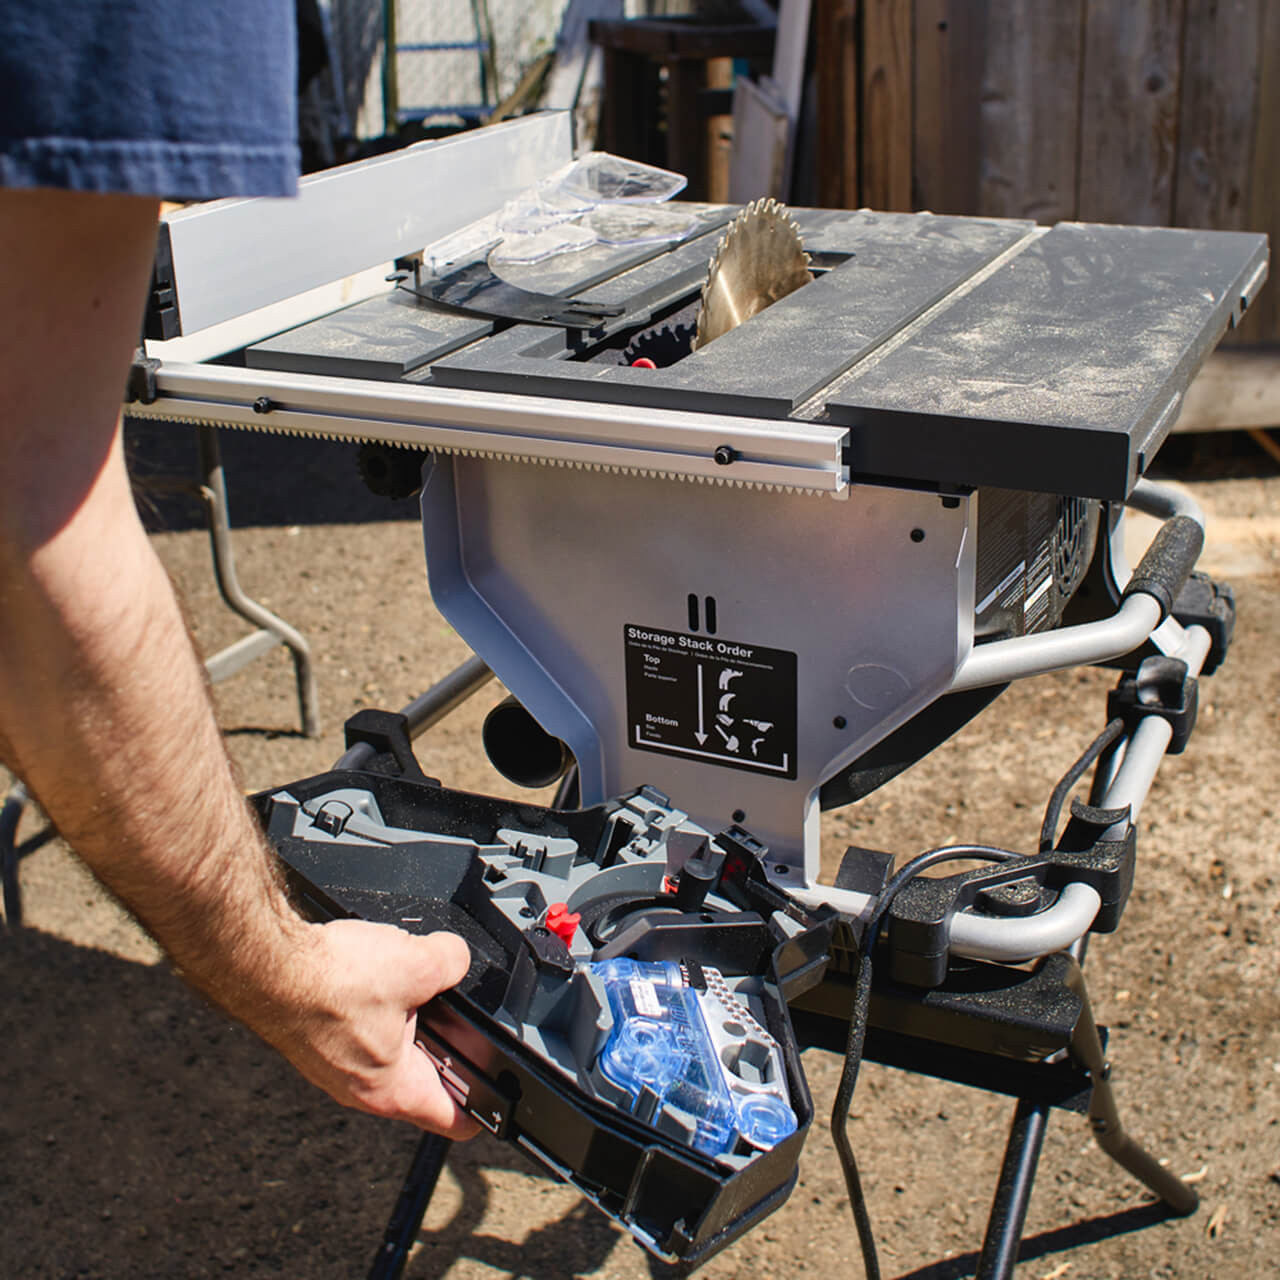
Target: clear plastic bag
x,y
523,247
603,178
598,199
639,223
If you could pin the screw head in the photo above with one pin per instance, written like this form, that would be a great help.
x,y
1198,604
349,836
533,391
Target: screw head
x,y
724,455
917,535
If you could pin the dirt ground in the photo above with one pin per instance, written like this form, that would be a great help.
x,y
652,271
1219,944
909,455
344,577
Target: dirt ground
x,y
142,1135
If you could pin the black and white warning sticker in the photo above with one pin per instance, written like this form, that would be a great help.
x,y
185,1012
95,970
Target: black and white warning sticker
x,y
721,701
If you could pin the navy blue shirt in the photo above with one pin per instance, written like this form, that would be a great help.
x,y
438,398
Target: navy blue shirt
x,y
175,98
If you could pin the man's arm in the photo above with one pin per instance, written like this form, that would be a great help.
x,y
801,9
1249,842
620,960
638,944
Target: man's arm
x,y
103,708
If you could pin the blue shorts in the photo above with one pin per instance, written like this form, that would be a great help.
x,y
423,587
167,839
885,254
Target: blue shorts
x,y
149,97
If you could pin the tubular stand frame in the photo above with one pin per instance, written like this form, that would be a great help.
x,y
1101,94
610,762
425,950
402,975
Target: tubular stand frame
x,y
273,630
1012,1197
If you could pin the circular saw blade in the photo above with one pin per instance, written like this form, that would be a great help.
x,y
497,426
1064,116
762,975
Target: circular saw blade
x,y
760,260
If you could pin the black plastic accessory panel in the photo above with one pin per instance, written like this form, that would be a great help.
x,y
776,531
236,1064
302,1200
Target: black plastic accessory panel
x,y
716,909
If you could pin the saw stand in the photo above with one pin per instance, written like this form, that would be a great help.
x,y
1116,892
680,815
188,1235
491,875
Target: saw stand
x,y
1025,1033
210,485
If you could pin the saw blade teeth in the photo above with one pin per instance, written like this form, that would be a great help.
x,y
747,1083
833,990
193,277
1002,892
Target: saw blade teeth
x,y
760,259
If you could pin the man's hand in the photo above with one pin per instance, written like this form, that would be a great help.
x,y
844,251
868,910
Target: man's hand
x,y
348,1016
103,708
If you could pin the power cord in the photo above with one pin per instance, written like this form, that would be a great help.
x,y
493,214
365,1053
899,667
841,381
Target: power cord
x,y
858,1027
1073,775
862,974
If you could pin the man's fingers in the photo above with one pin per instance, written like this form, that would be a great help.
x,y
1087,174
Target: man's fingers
x,y
441,962
361,1047
420,1097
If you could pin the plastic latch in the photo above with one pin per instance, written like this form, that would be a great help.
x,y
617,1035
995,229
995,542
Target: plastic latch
x,y
1160,687
1211,605
562,922
140,386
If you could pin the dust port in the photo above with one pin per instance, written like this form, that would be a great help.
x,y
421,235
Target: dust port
x,y
521,749
751,1061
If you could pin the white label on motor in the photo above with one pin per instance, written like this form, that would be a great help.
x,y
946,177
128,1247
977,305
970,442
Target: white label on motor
x,y
645,998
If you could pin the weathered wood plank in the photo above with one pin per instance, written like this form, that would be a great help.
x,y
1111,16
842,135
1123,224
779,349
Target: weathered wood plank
x,y
950,42
1220,62
1031,110
886,104
719,133
1236,389
1129,116
1262,323
836,72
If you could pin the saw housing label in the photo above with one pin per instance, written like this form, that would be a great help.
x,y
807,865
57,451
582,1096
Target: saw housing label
x,y
721,701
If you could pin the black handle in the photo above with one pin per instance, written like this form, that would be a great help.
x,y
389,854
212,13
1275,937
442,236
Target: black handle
x,y
1170,558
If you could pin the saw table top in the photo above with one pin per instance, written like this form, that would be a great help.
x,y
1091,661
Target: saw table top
x,y
957,351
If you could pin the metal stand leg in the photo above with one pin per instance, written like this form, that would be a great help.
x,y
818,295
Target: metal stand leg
x,y
1013,1192
406,1218
1104,1117
274,630
1026,1137
14,804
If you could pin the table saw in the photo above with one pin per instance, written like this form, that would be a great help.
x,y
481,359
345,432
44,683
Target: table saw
x,y
728,583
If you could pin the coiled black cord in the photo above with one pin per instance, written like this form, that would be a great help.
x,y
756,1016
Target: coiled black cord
x,y
862,975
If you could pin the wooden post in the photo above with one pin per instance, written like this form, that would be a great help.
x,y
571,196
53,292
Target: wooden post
x,y
686,142
836,42
1129,116
886,104
718,143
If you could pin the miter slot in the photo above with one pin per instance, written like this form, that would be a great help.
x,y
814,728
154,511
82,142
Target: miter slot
x,y
1057,372
894,267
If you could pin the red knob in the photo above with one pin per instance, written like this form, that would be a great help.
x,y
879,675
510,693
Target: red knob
x,y
562,922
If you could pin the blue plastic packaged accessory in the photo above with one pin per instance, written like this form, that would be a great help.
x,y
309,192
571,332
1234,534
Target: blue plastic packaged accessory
x,y
696,1059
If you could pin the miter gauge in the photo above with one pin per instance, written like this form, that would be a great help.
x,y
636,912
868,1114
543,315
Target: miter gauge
x,y
760,260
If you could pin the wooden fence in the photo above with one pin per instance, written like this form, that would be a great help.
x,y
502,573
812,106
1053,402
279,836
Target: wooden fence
x,y
1139,111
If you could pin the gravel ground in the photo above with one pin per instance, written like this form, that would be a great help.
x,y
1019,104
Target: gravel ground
x,y
145,1136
